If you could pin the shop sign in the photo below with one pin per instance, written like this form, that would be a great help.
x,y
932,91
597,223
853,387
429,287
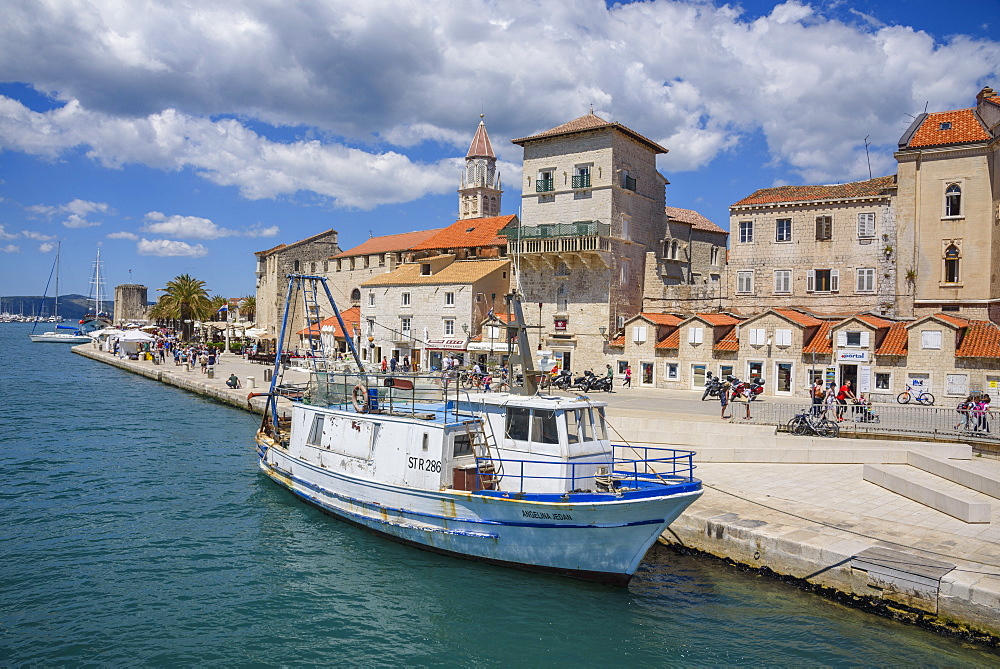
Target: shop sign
x,y
852,356
560,324
446,344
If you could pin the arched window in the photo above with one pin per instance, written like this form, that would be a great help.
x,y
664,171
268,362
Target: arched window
x,y
562,299
562,269
952,258
953,200
673,250
356,296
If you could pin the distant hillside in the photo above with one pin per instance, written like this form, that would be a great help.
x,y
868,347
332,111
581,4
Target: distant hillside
x,y
71,307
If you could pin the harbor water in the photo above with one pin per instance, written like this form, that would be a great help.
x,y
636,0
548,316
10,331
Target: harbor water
x,y
137,531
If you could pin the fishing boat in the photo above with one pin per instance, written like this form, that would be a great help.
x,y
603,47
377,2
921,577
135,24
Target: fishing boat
x,y
63,334
515,478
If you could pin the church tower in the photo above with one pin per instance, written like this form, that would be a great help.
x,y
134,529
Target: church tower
x,y
479,194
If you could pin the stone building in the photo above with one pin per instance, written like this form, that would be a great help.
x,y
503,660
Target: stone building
x,y
825,248
592,206
687,271
131,303
306,256
948,207
376,255
430,307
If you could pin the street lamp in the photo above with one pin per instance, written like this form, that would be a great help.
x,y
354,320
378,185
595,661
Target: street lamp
x,y
604,332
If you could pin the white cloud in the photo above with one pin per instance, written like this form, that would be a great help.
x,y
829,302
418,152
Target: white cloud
x,y
10,248
46,247
195,227
75,211
163,85
4,235
38,236
123,235
167,248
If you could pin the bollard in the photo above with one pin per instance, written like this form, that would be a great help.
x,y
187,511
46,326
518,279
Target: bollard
x,y
251,382
267,375
211,372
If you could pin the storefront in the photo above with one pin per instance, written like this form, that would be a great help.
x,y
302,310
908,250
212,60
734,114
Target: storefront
x,y
436,350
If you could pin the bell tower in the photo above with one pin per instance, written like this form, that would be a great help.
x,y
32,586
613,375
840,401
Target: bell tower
x,y
479,193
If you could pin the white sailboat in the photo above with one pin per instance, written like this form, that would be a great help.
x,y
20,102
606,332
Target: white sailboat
x,y
63,334
96,318
524,480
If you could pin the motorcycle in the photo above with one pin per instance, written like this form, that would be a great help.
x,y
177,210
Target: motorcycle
x,y
750,389
581,382
712,387
563,380
601,383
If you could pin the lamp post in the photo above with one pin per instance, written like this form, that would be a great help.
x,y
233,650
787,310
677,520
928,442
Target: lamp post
x,y
539,326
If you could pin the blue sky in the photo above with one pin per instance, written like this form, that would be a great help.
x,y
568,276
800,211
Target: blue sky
x,y
181,139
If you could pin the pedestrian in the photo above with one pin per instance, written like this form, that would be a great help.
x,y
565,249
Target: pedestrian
x,y
385,364
982,410
487,380
628,380
723,397
203,361
611,377
406,363
829,400
392,364
234,381
963,409
843,395
817,394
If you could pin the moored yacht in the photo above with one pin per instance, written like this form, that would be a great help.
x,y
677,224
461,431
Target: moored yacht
x,y
519,479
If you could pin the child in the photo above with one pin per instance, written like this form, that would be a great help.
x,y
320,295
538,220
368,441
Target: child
x,y
487,380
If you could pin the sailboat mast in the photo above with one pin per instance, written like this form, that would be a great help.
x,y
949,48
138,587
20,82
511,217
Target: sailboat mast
x,y
55,309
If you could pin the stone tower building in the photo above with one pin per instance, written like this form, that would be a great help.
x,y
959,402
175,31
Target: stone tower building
x,y
479,194
130,303
593,206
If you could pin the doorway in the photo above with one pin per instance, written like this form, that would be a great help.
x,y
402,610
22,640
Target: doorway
x,y
849,373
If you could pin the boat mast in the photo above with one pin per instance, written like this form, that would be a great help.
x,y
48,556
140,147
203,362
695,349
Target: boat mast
x,y
55,308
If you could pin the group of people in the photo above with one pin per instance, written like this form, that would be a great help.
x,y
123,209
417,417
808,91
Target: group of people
x,y
975,412
390,365
727,394
830,398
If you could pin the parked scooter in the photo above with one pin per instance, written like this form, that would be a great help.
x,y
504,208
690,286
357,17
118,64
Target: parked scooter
x,y
712,387
601,383
581,382
751,388
563,380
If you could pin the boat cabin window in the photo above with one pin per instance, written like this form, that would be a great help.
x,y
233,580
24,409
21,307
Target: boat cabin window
x,y
462,445
578,428
600,429
517,423
316,431
543,427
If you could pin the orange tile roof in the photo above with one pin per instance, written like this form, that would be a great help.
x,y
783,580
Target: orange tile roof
x,y
965,128
729,342
481,146
388,243
719,319
618,342
468,233
874,321
586,123
662,319
458,272
805,320
896,340
957,321
696,220
671,341
855,189
820,343
352,317
982,340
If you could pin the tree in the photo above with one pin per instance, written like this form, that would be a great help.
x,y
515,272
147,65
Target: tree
x,y
185,299
248,307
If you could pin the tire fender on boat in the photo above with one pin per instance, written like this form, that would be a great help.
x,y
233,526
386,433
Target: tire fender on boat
x,y
359,398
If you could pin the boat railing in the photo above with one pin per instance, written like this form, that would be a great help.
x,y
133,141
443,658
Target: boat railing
x,y
664,466
429,396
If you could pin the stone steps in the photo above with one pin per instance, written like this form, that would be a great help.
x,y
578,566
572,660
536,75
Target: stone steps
x,y
930,490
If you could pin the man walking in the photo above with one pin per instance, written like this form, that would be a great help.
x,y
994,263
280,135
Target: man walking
x,y
611,378
842,397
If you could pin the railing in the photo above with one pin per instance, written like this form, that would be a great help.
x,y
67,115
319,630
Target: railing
x,y
581,181
556,230
560,245
662,466
894,419
544,185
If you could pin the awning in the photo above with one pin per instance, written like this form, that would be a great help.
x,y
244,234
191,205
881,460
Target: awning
x,y
495,347
446,344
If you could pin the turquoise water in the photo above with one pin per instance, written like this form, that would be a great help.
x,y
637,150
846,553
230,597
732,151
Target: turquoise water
x,y
137,531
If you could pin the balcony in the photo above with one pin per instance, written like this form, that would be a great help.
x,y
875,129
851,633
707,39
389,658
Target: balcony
x,y
545,185
587,243
581,181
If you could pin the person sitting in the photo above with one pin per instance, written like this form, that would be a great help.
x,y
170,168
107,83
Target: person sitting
x,y
234,381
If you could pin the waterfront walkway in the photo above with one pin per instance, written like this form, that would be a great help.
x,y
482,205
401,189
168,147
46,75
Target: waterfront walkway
x,y
839,513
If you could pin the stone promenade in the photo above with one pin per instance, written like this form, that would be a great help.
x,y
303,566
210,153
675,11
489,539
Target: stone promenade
x,y
909,528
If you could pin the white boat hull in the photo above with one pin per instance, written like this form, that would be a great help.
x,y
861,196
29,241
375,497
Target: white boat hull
x,y
57,338
596,540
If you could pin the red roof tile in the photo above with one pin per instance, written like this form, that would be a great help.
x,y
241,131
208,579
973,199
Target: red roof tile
x,y
662,319
729,342
468,233
352,317
805,320
618,342
820,343
481,147
586,123
389,243
671,341
874,321
962,126
981,340
896,340
719,319
957,321
855,189
697,221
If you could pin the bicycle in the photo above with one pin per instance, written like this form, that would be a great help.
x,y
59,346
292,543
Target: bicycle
x,y
921,397
808,422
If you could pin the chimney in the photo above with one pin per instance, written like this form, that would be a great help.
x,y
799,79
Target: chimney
x,y
985,94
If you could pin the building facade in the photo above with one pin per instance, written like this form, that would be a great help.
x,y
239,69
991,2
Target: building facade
x,y
131,303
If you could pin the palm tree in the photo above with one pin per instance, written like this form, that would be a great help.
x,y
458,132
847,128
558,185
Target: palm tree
x,y
216,303
186,299
248,307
